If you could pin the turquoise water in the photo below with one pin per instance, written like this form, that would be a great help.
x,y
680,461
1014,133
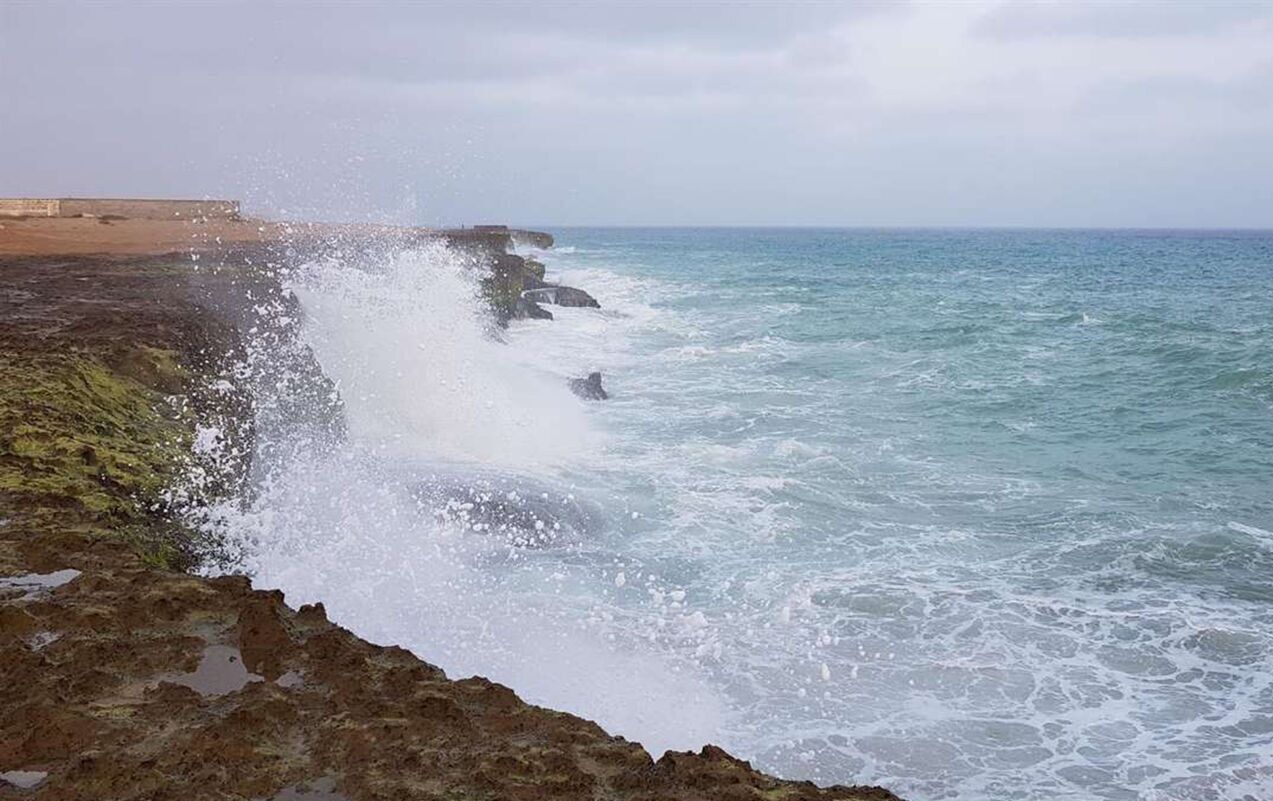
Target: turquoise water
x,y
969,514
1014,490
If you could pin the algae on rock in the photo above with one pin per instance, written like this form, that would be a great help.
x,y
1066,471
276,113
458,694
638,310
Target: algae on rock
x,y
107,372
89,447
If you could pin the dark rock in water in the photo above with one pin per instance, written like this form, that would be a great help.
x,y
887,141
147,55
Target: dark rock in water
x,y
569,296
542,293
589,388
515,287
509,277
535,239
502,287
535,268
527,309
561,296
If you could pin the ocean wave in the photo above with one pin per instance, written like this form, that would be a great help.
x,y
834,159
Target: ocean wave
x,y
987,556
404,339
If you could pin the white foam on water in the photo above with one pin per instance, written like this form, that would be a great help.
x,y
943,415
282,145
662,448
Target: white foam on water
x,y
589,339
1243,528
945,674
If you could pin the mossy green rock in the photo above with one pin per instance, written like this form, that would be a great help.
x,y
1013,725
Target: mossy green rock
x,y
78,432
104,370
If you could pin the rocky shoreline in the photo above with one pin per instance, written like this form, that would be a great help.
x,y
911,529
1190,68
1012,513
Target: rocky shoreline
x,y
125,676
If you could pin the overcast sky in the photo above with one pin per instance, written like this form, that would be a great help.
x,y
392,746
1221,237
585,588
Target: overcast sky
x,y
973,113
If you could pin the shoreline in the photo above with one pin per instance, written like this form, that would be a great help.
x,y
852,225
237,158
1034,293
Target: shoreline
x,y
113,236
132,677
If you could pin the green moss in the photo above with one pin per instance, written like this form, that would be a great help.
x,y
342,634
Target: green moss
x,y
88,448
155,367
507,279
501,293
536,268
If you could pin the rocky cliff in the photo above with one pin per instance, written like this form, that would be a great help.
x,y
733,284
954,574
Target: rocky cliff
x,y
123,675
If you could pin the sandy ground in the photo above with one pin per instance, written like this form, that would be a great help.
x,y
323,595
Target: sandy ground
x,y
77,236
83,236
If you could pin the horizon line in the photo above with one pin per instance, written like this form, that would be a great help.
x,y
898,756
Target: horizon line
x,y
782,226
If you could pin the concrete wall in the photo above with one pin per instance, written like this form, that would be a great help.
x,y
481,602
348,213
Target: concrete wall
x,y
150,209
28,207
119,207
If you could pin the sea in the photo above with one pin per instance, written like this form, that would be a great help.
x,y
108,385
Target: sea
x,y
969,514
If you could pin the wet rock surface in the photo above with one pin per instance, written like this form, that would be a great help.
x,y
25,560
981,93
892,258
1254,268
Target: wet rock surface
x,y
515,287
322,789
98,712
125,677
32,585
23,779
589,388
561,296
527,309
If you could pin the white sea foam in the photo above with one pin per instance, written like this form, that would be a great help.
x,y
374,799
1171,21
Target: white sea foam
x,y
1243,528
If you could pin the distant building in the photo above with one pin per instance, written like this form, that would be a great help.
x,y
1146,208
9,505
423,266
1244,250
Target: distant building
x,y
135,208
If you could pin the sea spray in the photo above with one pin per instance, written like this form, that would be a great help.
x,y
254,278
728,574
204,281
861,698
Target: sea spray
x,y
389,526
405,338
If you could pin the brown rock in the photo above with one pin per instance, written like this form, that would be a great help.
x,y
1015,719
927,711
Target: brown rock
x,y
263,638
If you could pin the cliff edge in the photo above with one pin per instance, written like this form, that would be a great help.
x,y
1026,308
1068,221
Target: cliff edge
x,y
124,676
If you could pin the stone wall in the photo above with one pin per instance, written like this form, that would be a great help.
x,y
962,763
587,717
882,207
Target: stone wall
x,y
29,207
119,207
150,209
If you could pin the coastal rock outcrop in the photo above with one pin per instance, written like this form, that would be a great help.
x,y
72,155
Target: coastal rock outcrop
x,y
589,388
570,296
561,296
535,269
527,309
514,286
127,676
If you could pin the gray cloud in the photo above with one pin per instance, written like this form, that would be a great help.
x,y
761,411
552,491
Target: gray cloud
x,y
1130,18
752,113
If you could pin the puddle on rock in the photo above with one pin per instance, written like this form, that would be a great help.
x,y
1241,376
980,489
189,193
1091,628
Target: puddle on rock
x,y
41,639
220,671
290,679
24,779
23,588
323,789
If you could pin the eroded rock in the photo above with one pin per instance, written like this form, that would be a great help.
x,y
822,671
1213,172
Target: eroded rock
x,y
528,309
561,296
589,388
